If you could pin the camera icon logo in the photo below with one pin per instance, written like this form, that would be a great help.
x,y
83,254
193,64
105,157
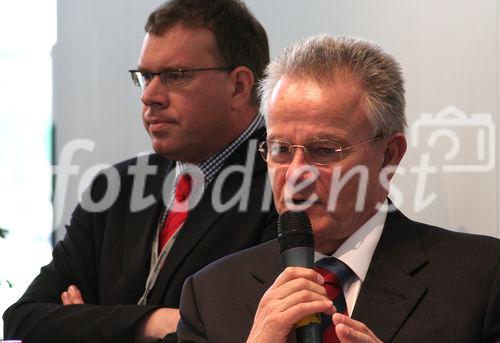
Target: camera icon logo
x,y
479,148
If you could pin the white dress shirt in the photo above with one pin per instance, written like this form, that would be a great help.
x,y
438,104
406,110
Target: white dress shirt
x,y
357,252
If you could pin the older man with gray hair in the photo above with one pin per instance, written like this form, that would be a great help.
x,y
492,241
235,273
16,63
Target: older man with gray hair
x,y
334,109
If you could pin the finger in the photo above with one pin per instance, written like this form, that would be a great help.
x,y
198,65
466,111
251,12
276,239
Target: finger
x,y
347,334
302,296
301,310
297,285
65,298
291,273
291,294
295,279
339,318
352,328
75,295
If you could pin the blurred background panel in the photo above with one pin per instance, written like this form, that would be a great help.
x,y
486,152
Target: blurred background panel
x,y
448,51
27,35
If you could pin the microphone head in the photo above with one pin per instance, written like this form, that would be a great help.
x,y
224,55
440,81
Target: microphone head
x,y
294,230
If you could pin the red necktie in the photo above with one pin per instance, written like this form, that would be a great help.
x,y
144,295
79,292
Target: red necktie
x,y
178,213
335,273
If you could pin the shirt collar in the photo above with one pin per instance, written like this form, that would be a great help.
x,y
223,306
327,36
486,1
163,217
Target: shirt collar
x,y
357,250
211,167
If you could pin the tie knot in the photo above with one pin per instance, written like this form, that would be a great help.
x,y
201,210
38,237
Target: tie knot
x,y
333,270
183,187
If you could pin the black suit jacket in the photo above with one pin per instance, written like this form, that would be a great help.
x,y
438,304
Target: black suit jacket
x,y
107,255
424,284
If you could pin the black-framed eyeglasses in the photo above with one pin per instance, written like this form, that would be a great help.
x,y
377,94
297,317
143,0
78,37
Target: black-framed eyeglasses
x,y
324,152
170,77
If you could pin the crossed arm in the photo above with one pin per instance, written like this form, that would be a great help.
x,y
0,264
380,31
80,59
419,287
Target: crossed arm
x,y
39,315
155,325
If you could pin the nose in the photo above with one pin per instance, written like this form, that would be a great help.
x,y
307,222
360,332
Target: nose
x,y
155,94
299,169
300,179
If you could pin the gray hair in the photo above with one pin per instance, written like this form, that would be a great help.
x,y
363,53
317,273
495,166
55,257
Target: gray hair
x,y
324,58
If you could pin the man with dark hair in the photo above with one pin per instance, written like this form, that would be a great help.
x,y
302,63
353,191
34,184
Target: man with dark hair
x,y
240,38
118,273
334,109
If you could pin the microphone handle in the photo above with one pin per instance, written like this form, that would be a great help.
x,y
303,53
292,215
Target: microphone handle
x,y
303,257
299,257
309,334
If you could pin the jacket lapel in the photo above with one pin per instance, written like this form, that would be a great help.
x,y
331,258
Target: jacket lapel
x,y
263,275
389,292
140,228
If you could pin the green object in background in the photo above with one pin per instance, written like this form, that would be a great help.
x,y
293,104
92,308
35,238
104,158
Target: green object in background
x,y
9,284
3,233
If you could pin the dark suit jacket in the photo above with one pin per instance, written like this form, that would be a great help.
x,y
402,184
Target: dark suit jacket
x,y
424,284
107,255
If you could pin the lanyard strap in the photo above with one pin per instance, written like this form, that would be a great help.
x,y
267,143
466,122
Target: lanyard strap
x,y
157,261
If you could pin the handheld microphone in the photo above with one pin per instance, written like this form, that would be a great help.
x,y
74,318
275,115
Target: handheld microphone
x,y
296,241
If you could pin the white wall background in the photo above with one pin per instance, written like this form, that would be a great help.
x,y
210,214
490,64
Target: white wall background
x,y
449,51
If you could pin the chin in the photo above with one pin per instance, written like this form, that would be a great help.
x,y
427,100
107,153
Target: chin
x,y
165,150
325,225
327,239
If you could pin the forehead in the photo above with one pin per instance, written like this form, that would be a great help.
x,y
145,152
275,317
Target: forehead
x,y
302,109
179,46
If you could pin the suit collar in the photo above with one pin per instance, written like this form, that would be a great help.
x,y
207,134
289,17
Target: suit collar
x,y
211,167
390,293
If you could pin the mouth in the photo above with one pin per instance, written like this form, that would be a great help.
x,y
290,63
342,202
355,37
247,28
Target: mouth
x,y
157,121
158,126
301,204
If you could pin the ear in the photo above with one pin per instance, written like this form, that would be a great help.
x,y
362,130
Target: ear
x,y
242,83
394,151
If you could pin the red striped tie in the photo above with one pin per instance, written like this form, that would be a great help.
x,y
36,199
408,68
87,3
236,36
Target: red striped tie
x,y
178,213
335,273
